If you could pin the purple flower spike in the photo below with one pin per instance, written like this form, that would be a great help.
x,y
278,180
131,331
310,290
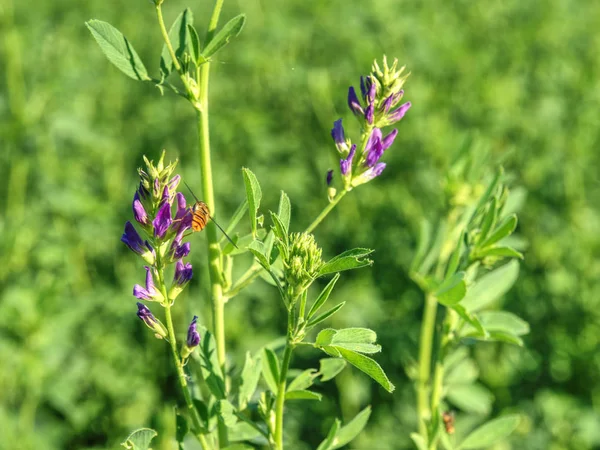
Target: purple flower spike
x,y
389,139
353,102
329,177
193,337
150,292
139,213
183,273
346,164
156,188
163,221
398,114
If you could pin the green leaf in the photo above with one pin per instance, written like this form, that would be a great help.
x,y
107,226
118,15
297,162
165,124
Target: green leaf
x,y
320,318
193,44
368,366
139,439
327,443
489,219
352,429
452,290
324,337
250,376
350,259
419,441
237,216
227,413
432,255
491,286
211,370
491,188
285,211
230,30
360,340
462,373
303,381
455,257
471,319
506,228
422,244
472,398
503,321
179,36
279,230
243,431
491,433
270,369
181,429
258,250
238,446
330,367
505,252
323,296
302,395
118,50
254,195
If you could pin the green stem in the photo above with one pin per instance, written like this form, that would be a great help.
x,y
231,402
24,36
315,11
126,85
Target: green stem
x,y
214,250
326,211
287,355
181,375
425,350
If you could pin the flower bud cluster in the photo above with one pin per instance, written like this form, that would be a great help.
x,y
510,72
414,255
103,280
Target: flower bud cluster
x,y
379,106
302,264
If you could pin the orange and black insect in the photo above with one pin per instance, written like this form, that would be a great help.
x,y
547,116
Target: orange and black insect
x,y
448,418
201,214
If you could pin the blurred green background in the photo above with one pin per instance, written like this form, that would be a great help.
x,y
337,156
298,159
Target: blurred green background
x,y
77,368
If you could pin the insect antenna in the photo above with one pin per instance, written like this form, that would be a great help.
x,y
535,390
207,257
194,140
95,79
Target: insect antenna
x,y
211,217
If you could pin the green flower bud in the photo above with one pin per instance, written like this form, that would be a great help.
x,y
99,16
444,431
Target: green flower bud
x,y
302,263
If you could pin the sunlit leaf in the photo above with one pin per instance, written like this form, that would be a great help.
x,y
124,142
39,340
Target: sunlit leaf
x,y
323,296
491,433
350,259
139,439
118,50
330,367
229,31
302,395
254,195
352,429
491,286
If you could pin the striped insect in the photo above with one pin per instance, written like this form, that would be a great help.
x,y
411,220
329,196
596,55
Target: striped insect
x,y
201,214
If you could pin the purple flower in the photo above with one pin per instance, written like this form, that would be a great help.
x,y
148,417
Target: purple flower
x,y
389,139
398,114
156,191
374,171
149,292
142,191
132,239
346,164
370,113
151,322
372,90
139,213
179,250
163,221
337,133
363,87
329,177
183,273
374,148
193,337
353,102
174,183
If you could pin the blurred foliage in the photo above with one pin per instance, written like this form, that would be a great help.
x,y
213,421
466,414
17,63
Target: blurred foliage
x,y
78,370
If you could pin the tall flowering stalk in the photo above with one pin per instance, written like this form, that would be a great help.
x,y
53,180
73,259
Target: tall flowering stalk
x,y
162,247
380,106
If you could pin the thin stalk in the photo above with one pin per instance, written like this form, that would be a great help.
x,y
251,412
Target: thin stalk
x,y
214,250
181,376
425,350
326,211
287,355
